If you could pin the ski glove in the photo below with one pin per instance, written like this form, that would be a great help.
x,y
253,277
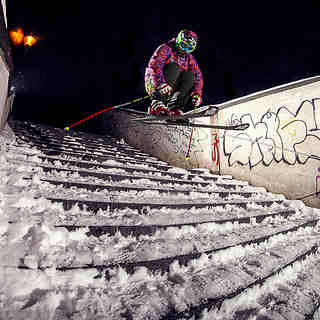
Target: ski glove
x,y
164,89
196,100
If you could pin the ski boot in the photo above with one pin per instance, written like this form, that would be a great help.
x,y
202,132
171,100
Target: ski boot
x,y
174,108
158,108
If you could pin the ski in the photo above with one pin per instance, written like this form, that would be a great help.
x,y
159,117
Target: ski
x,y
237,127
136,112
204,111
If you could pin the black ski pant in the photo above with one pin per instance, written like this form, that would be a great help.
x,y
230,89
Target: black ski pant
x,y
181,81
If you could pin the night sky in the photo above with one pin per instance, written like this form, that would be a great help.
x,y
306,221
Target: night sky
x,y
92,54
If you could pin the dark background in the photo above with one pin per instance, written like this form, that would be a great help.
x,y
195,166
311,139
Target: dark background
x,y
92,54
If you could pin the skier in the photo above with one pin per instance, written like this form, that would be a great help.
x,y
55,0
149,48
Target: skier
x,y
173,76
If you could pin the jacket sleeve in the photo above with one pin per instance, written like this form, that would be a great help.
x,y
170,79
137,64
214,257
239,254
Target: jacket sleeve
x,y
154,73
198,79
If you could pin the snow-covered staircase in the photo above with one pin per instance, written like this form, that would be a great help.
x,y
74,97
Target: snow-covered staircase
x,y
96,229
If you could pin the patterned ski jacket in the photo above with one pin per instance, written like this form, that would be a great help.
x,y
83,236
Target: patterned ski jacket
x,y
164,54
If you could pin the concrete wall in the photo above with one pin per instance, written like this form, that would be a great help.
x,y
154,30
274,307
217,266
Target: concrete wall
x,y
169,144
6,66
4,7
279,151
5,104
281,148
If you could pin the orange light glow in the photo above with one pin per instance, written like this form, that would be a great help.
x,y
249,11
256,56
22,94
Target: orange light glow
x,y
30,40
16,36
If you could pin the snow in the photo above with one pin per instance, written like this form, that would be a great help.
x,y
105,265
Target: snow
x,y
285,282
31,240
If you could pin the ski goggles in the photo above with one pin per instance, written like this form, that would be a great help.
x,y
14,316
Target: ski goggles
x,y
186,43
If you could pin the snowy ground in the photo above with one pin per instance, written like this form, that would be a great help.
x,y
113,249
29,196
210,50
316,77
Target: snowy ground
x,y
242,270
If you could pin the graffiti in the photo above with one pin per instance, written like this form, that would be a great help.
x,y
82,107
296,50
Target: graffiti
x,y
178,139
215,155
278,136
175,137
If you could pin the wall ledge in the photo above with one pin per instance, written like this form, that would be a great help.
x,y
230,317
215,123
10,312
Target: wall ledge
x,y
267,92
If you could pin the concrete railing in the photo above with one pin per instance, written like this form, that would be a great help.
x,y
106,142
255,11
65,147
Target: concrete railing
x,y
279,151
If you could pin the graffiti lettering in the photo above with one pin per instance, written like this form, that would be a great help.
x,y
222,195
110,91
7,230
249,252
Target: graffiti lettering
x,y
278,136
215,149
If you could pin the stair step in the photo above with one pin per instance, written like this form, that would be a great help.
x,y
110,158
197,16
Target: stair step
x,y
216,303
115,177
61,147
121,164
144,207
127,188
102,145
128,168
51,150
91,158
53,140
150,230
163,264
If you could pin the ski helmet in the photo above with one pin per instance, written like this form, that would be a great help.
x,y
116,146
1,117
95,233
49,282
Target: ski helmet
x,y
187,41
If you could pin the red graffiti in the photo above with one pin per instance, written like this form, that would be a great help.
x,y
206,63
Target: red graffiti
x,y
215,155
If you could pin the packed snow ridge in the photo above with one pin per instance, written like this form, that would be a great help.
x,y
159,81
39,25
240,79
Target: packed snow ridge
x,y
241,259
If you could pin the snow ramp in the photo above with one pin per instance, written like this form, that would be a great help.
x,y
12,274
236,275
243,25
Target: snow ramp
x,y
92,228
279,150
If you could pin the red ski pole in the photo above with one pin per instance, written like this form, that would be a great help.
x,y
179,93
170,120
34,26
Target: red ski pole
x,y
107,109
189,147
188,153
